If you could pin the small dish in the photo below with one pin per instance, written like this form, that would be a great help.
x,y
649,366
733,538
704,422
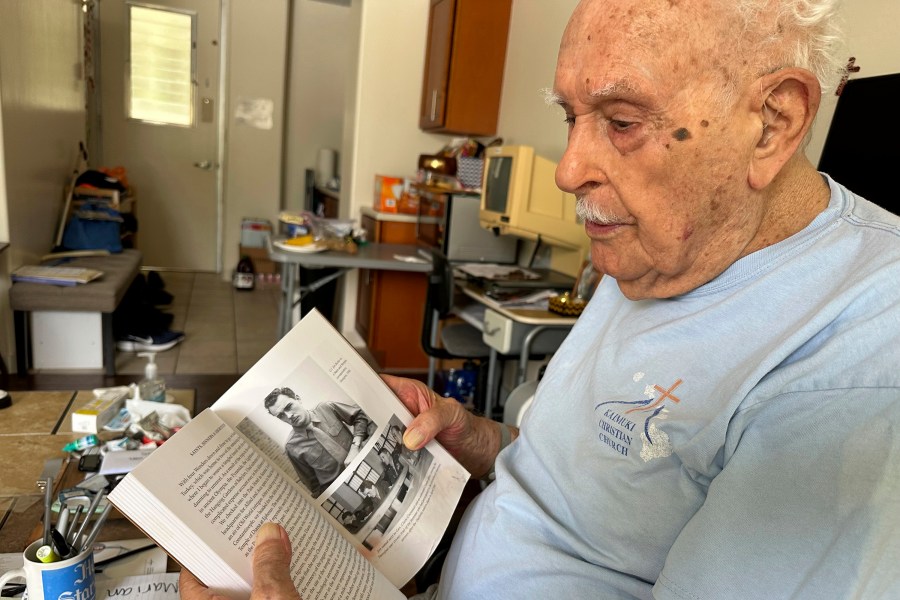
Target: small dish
x,y
564,304
308,249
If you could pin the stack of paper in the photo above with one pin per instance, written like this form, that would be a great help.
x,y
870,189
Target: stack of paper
x,y
55,275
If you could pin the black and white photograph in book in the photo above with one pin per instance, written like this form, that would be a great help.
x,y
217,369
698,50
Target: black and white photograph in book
x,y
380,488
324,438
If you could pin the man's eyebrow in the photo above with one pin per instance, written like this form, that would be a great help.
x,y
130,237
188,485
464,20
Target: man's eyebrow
x,y
551,97
621,86
613,88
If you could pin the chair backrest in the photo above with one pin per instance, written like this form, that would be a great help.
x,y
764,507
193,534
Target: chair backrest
x,y
440,285
438,301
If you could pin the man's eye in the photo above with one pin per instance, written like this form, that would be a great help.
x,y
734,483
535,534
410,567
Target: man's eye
x,y
621,126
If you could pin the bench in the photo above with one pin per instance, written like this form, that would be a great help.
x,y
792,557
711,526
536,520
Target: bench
x,y
95,300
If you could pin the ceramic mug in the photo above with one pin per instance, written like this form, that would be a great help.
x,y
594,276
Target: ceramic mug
x,y
69,579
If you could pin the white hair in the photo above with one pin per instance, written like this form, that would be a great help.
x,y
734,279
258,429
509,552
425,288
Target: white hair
x,y
810,32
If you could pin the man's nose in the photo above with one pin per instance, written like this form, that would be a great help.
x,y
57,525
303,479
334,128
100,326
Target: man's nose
x,y
581,165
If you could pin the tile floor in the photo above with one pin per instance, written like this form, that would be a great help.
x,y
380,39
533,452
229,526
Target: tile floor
x,y
226,330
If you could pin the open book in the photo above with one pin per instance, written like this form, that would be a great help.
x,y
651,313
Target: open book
x,y
310,437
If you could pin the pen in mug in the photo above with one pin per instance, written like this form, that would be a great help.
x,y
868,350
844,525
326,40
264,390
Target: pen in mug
x,y
59,542
90,512
73,522
62,521
96,530
48,502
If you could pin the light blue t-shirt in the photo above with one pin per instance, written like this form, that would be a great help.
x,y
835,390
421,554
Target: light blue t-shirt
x,y
739,441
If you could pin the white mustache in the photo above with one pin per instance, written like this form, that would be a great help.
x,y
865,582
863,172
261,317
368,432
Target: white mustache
x,y
589,212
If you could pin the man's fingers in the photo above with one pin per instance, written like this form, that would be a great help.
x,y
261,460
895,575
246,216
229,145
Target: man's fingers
x,y
427,425
271,564
191,588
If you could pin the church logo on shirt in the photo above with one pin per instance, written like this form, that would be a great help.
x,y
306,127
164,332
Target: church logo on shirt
x,y
621,422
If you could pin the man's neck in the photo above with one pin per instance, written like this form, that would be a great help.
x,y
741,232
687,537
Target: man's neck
x,y
794,199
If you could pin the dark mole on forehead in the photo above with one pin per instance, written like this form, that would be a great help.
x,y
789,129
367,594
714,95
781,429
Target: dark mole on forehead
x,y
681,134
704,123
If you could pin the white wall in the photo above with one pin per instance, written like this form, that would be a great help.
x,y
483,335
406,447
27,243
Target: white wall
x,y
4,220
321,50
6,335
536,27
43,117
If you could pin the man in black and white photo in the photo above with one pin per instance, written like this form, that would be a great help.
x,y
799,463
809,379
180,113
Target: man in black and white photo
x,y
324,438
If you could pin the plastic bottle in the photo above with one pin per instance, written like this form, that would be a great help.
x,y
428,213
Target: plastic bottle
x,y
244,274
152,387
81,443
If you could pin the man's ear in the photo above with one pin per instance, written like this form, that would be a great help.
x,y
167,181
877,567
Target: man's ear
x,y
787,102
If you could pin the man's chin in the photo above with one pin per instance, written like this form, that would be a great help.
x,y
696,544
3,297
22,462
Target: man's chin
x,y
653,286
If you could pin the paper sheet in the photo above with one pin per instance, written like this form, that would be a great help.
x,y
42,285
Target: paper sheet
x,y
147,562
162,586
11,561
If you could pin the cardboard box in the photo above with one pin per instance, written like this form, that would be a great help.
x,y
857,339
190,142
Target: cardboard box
x,y
260,258
91,417
387,192
254,232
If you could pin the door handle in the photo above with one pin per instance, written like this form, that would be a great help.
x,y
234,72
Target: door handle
x,y
204,165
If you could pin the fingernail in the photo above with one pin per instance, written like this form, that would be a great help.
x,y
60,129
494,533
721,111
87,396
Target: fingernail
x,y
268,531
413,439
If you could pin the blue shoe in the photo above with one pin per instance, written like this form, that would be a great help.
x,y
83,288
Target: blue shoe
x,y
156,342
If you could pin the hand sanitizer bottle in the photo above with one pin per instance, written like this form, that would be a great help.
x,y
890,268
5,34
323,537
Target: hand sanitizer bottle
x,y
152,387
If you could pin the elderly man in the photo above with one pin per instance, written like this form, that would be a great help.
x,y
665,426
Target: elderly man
x,y
324,439
721,422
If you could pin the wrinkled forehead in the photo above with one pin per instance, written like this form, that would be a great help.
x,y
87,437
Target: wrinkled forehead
x,y
654,38
672,19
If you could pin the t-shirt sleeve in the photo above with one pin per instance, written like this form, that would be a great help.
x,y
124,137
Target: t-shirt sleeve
x,y
806,505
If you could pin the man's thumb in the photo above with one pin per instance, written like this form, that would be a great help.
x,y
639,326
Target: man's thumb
x,y
271,561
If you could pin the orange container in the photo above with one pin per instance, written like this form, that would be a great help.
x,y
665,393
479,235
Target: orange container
x,y
388,191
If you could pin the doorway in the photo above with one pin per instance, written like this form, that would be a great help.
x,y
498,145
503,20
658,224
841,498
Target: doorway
x,y
160,118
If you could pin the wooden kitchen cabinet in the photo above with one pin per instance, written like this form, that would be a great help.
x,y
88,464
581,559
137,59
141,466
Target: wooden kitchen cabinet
x,y
464,60
390,305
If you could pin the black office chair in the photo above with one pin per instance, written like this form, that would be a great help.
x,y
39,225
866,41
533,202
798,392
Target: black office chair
x,y
457,340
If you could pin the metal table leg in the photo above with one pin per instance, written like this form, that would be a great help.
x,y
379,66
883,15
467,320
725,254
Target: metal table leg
x,y
288,288
491,392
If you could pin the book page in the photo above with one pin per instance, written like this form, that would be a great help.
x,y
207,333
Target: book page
x,y
335,428
211,491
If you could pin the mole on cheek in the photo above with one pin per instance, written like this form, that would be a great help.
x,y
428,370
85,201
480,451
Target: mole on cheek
x,y
681,134
704,123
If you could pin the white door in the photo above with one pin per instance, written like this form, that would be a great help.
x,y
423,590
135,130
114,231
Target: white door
x,y
159,113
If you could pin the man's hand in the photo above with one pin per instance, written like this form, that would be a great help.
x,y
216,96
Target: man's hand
x,y
473,441
351,454
271,570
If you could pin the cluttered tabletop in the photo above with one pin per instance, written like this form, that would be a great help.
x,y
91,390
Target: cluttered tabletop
x,y
38,441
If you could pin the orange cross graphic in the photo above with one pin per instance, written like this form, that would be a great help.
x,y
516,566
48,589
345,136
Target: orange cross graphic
x,y
663,395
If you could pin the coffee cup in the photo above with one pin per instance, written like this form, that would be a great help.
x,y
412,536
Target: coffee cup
x,y
69,579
